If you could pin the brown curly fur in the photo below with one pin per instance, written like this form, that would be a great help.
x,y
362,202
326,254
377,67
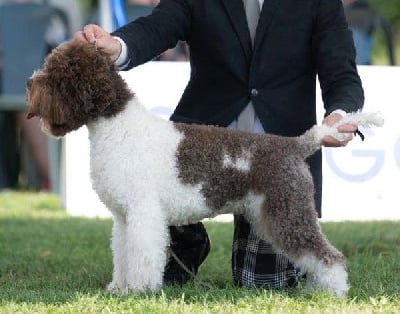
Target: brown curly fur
x,y
98,90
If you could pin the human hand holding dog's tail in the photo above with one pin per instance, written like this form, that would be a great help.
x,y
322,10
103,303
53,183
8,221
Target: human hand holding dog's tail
x,y
337,130
347,130
99,37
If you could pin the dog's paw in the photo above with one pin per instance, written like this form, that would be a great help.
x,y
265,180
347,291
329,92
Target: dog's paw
x,y
332,280
113,287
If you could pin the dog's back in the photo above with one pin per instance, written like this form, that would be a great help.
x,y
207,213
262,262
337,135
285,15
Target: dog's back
x,y
245,162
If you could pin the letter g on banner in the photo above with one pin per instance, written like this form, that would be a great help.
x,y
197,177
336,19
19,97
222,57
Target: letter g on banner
x,y
377,156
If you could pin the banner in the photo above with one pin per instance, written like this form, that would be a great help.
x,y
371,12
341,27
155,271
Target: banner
x,y
360,180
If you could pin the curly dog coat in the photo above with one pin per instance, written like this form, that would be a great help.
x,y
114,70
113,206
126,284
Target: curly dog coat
x,y
152,173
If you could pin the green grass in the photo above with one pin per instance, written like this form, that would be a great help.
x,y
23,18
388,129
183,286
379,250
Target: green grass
x,y
53,263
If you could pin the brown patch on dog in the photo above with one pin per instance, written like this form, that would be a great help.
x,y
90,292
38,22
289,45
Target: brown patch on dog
x,y
201,154
77,84
277,171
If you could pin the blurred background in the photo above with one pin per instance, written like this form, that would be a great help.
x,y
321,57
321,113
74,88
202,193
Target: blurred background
x,y
376,30
378,12
389,9
31,160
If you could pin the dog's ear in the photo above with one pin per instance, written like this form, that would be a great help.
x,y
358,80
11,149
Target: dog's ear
x,y
56,116
103,90
37,94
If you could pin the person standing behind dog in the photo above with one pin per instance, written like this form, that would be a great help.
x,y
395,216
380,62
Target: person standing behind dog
x,y
260,64
364,23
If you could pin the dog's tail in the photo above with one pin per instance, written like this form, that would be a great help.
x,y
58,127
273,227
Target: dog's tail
x,y
311,139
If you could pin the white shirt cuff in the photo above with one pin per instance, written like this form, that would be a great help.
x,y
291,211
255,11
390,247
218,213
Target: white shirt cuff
x,y
340,111
122,60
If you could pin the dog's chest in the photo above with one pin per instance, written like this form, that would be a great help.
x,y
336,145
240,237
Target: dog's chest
x,y
129,162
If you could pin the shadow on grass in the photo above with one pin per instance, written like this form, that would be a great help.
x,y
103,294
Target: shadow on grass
x,y
54,260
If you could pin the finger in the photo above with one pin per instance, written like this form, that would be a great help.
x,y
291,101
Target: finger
x,y
347,128
89,33
332,119
329,141
80,36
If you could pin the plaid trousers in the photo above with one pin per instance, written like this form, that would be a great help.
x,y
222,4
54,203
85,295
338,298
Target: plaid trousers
x,y
256,264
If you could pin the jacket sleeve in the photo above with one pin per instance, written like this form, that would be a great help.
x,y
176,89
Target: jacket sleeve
x,y
334,56
147,37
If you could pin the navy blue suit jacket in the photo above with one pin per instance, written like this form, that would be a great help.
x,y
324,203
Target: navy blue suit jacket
x,y
296,41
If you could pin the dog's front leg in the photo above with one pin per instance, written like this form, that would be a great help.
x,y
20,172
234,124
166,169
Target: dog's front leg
x,y
118,243
147,238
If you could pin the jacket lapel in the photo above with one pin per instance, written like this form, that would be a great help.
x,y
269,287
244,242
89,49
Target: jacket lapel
x,y
235,10
266,16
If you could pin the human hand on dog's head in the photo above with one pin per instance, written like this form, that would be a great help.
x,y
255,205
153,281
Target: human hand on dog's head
x,y
347,129
99,37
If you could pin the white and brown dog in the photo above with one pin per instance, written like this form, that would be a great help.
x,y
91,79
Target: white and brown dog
x,y
152,173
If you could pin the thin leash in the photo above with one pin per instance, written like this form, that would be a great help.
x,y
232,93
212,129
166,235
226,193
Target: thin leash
x,y
187,270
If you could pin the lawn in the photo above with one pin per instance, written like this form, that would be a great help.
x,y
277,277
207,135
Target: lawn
x,y
53,263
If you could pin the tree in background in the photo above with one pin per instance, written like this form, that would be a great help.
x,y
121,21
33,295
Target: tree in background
x,y
390,9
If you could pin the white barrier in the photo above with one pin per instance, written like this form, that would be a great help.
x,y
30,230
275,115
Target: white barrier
x,y
360,181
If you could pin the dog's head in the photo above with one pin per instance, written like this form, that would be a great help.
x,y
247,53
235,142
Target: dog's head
x,y
77,84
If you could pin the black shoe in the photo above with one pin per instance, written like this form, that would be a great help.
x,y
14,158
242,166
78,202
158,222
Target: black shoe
x,y
191,245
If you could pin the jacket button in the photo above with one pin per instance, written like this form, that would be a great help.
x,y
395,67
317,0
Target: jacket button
x,y
254,92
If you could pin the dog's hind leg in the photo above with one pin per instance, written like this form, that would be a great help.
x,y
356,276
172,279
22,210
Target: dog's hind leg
x,y
147,239
300,237
289,221
118,242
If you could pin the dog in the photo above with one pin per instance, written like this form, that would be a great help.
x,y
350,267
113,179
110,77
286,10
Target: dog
x,y
152,173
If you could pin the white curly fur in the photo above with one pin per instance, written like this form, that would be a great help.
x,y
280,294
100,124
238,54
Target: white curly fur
x,y
361,119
